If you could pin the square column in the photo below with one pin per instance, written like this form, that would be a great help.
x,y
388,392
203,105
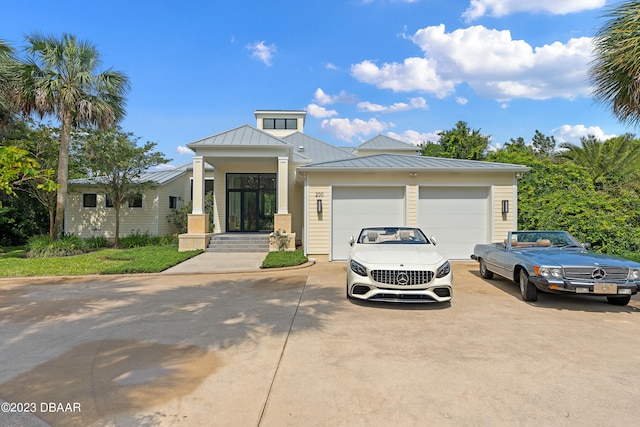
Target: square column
x,y
198,185
282,219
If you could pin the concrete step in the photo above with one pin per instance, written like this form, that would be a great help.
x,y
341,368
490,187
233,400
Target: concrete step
x,y
232,242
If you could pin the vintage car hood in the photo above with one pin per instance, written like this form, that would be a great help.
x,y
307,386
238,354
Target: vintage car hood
x,y
398,254
574,257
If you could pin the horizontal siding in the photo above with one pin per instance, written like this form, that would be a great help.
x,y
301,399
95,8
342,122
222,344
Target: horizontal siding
x,y
319,223
503,223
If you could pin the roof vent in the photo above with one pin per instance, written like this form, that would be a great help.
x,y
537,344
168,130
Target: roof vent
x,y
300,148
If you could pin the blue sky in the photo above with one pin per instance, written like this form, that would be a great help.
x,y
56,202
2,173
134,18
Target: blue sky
x,y
403,68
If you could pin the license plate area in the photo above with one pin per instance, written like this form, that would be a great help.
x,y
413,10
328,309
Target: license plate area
x,y
605,288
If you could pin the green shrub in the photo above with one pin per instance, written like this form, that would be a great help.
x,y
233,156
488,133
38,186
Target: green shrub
x,y
284,259
137,240
98,242
44,246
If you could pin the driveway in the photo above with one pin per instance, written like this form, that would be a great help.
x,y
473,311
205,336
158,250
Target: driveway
x,y
287,348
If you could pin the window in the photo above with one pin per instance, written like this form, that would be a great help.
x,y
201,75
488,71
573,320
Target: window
x,y
107,201
279,123
136,201
208,187
89,200
173,202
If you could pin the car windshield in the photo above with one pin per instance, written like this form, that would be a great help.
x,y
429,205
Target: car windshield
x,y
392,235
543,239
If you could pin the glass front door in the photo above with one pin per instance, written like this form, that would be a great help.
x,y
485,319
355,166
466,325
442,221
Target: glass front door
x,y
251,202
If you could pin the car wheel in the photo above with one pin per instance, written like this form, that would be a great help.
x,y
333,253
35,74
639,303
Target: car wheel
x,y
527,289
619,300
486,274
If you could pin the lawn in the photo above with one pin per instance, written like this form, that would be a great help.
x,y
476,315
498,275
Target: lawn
x,y
145,259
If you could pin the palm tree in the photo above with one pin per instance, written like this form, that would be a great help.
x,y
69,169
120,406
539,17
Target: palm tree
x,y
610,163
59,77
615,70
6,79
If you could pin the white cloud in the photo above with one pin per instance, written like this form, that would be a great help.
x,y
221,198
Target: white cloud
x,y
181,149
573,133
346,129
413,74
462,100
498,8
494,64
417,103
322,98
415,137
320,112
262,52
331,66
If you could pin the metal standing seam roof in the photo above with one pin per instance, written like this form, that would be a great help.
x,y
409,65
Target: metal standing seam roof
x,y
244,135
406,162
158,177
383,142
315,150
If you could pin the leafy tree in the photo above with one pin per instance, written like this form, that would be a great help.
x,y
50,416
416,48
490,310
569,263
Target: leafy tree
x,y
556,195
117,165
460,142
60,77
542,144
17,167
616,66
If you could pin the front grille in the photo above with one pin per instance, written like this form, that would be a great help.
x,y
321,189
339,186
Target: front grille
x,y
586,273
402,277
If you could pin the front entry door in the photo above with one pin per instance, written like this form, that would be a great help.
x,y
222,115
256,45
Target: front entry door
x,y
243,211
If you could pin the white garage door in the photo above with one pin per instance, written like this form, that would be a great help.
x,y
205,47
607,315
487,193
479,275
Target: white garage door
x,y
458,217
354,208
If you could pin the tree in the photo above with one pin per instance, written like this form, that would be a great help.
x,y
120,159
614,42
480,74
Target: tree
x,y
458,143
60,77
542,144
615,68
610,163
16,167
117,165
7,80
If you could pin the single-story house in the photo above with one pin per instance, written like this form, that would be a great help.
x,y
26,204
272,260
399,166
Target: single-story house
x,y
275,177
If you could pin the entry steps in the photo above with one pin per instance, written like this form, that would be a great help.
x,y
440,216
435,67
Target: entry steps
x,y
239,242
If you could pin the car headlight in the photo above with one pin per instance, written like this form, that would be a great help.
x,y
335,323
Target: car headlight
x,y
358,268
553,272
443,270
634,274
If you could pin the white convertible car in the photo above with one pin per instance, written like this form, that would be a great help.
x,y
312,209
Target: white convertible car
x,y
397,264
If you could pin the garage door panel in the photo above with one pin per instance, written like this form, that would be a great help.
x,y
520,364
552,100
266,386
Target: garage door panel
x,y
356,207
457,216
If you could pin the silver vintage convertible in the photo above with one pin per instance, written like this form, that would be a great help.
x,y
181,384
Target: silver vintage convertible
x,y
554,261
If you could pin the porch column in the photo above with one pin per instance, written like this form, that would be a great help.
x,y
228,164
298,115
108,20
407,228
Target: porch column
x,y
198,185
282,219
197,236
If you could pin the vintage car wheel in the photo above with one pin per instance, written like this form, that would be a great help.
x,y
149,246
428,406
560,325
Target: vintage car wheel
x,y
527,289
486,274
619,300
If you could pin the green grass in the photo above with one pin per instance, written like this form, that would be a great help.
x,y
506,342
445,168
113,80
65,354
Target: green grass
x,y
146,259
284,259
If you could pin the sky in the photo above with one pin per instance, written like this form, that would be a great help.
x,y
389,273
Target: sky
x,y
403,68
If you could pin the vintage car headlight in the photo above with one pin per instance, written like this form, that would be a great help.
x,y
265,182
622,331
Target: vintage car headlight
x,y
443,270
358,268
634,274
553,272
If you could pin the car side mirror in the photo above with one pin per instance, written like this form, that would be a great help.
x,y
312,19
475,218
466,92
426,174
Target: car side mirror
x,y
351,241
433,240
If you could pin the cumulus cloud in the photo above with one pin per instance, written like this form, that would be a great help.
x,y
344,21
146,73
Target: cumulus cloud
x,y
490,61
319,112
181,149
262,52
346,129
322,98
418,103
498,8
573,133
462,100
413,74
415,137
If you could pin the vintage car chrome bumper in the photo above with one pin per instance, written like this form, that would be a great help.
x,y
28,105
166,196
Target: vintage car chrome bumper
x,y
580,287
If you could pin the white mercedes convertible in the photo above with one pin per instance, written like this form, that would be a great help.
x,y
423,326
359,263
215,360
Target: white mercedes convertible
x,y
397,264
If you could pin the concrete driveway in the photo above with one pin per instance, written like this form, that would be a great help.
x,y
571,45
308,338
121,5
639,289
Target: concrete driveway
x,y
287,348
